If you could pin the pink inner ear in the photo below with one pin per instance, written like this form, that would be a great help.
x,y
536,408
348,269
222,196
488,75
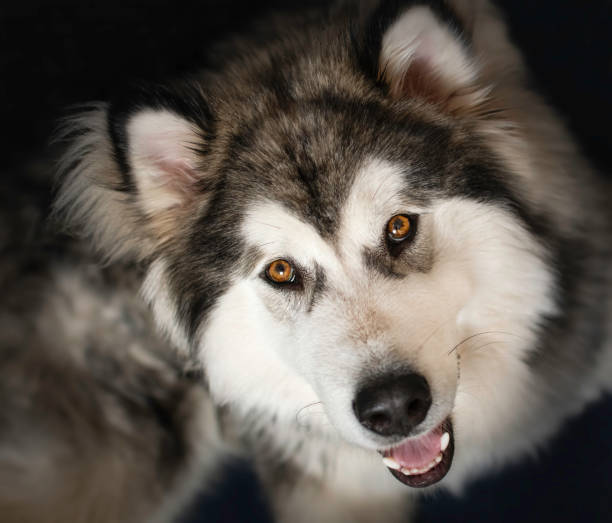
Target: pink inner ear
x,y
421,80
177,174
163,157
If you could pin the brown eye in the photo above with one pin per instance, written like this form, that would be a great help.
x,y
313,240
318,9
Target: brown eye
x,y
399,228
280,271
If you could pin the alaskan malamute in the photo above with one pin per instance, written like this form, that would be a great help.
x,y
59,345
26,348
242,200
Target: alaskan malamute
x,y
378,262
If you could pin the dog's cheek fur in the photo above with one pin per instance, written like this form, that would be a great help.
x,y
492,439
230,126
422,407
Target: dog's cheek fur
x,y
242,350
512,290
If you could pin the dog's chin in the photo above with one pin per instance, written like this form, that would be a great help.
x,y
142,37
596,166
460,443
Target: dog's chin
x,y
423,460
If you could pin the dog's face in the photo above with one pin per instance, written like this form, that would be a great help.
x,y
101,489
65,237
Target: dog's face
x,y
334,240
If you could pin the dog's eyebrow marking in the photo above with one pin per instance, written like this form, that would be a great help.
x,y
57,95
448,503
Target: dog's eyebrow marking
x,y
378,261
417,259
253,256
320,286
271,225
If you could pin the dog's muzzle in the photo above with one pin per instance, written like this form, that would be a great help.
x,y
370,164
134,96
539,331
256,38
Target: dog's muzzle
x,y
394,406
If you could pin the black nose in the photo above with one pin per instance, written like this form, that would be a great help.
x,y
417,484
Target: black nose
x,y
393,405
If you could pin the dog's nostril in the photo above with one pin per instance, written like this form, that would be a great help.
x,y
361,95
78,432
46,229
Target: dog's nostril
x,y
393,405
378,420
414,407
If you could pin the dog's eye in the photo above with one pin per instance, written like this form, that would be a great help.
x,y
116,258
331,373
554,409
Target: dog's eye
x,y
400,228
280,271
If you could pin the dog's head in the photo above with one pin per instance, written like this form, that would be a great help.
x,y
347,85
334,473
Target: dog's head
x,y
332,218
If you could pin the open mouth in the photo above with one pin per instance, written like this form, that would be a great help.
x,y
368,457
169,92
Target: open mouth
x,y
424,460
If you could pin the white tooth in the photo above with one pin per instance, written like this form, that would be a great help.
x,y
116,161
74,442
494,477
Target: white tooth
x,y
391,463
406,471
444,441
438,458
414,471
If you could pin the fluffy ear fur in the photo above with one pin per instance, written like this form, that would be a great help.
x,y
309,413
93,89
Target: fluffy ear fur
x,y
423,55
133,169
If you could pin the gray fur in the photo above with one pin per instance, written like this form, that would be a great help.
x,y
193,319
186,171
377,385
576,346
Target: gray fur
x,y
99,422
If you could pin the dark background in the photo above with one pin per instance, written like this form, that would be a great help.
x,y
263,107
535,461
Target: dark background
x,y
54,55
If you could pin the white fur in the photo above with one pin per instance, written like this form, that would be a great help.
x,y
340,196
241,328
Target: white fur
x,y
155,292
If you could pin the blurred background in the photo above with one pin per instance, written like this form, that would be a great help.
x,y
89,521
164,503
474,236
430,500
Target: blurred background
x,y
57,54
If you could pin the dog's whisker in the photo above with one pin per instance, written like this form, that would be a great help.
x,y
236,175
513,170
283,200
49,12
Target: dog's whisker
x,y
488,344
260,245
267,224
380,186
305,408
465,340
432,334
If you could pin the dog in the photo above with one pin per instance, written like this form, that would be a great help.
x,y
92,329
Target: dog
x,y
359,251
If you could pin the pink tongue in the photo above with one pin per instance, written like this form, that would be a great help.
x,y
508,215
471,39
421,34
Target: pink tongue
x,y
416,453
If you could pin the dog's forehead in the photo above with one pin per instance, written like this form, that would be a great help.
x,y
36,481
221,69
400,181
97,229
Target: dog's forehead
x,y
305,161
307,154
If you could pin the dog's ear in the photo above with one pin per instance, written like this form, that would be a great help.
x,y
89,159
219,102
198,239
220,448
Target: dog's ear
x,y
422,52
136,167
